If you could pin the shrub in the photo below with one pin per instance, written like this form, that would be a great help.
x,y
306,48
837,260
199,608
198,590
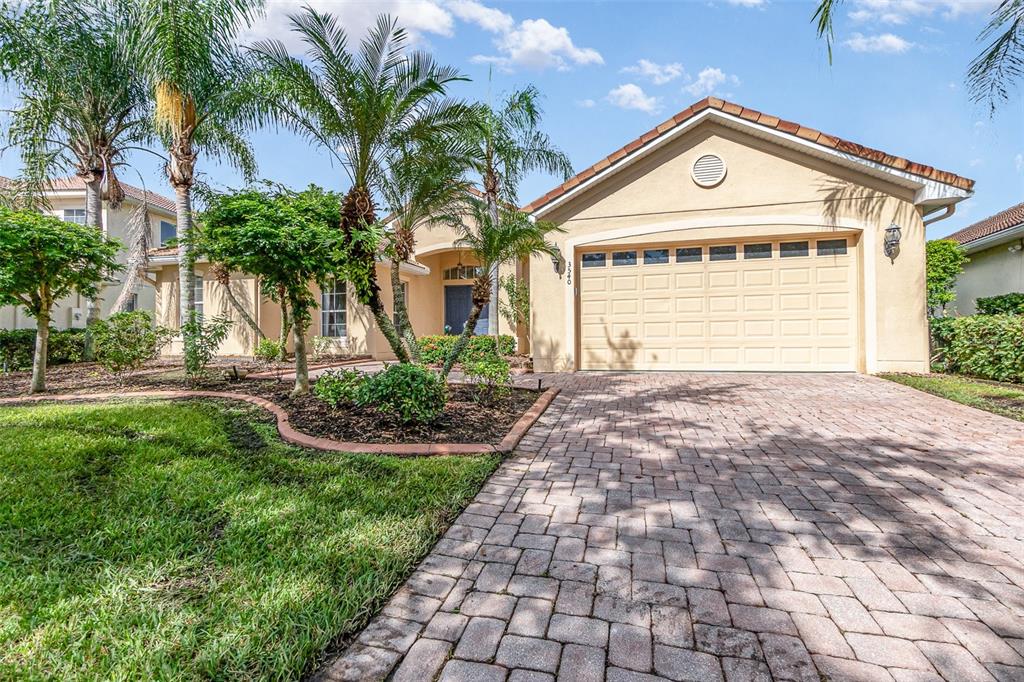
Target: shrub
x,y
267,351
944,261
203,340
985,346
339,387
320,346
411,393
435,349
18,345
492,377
1005,304
126,341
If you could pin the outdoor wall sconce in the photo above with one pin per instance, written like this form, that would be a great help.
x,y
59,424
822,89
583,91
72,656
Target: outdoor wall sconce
x,y
557,261
891,245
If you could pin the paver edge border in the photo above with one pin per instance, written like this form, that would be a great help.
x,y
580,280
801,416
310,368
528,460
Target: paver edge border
x,y
291,435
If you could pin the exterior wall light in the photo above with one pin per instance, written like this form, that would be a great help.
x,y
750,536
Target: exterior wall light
x,y
891,245
557,261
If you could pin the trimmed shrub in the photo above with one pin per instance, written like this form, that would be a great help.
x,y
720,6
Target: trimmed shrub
x,y
202,339
1005,304
18,345
434,350
410,393
267,351
339,386
492,377
126,341
985,346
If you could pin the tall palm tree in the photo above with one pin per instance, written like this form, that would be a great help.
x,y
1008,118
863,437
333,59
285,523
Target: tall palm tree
x,y
82,104
362,107
206,99
508,144
509,239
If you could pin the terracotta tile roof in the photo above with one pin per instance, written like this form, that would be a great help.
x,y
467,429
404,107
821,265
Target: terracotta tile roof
x,y
767,121
1004,220
163,251
73,182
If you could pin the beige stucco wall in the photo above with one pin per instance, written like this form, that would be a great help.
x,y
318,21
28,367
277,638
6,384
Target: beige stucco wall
x,y
768,190
991,272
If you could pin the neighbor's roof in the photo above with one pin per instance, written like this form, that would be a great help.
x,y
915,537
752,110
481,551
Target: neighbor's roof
x,y
1004,220
753,116
73,182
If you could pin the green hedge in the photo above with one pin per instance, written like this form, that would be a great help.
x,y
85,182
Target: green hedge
x,y
434,349
1006,304
17,347
985,346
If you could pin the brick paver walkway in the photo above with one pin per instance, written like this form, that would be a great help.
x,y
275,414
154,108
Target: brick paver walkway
x,y
738,527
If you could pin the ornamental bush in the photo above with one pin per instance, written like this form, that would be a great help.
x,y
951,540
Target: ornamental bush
x,y
126,341
435,349
339,386
410,393
1005,304
985,346
492,377
18,345
202,339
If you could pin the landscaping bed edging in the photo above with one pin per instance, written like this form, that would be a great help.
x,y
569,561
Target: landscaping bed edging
x,y
291,435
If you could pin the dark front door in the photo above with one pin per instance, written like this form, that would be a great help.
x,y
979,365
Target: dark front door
x,y
458,299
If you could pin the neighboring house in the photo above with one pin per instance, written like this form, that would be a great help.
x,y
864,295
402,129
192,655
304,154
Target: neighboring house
x,y
994,246
66,199
723,239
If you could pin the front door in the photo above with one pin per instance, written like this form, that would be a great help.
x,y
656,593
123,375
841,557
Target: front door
x,y
458,300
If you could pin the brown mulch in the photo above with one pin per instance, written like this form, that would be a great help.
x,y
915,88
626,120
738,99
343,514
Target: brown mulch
x,y
463,421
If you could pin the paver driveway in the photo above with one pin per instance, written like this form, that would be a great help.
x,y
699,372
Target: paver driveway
x,y
726,526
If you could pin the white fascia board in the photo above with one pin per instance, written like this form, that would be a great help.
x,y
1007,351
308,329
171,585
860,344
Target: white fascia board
x,y
926,190
995,239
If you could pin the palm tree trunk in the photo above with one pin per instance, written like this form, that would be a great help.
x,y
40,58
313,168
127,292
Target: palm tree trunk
x,y
403,326
463,340
94,219
42,346
186,260
387,328
492,314
301,368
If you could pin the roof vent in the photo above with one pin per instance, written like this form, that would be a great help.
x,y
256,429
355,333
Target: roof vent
x,y
708,170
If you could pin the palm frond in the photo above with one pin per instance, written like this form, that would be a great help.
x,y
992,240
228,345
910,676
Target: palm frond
x,y
993,74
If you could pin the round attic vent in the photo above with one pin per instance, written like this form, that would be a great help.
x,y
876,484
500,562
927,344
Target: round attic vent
x,y
708,170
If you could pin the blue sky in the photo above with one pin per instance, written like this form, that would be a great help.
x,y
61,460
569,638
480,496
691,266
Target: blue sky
x,y
611,70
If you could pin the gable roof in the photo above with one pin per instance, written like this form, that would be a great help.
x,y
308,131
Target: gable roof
x,y
752,116
73,182
1004,220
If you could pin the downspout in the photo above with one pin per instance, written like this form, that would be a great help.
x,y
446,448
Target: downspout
x,y
950,210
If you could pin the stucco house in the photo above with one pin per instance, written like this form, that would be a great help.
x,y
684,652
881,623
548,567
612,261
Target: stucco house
x,y
995,246
722,239
66,200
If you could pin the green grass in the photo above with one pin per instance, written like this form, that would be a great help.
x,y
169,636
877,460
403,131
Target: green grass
x,y
1004,399
184,540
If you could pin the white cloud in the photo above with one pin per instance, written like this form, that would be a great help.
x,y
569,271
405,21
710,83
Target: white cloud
x,y
886,42
632,96
586,103
896,12
709,80
748,3
487,18
973,163
659,74
1018,162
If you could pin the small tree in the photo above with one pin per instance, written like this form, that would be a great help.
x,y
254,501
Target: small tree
x,y
43,259
516,306
287,239
126,341
945,262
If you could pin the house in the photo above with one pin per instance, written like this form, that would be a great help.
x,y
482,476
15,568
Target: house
x,y
997,258
723,239
66,199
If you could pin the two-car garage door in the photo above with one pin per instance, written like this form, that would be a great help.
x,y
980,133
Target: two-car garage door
x,y
755,305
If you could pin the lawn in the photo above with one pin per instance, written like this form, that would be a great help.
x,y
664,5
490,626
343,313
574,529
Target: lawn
x,y
1004,399
184,540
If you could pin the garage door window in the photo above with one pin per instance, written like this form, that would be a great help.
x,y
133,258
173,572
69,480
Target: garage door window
x,y
689,255
722,253
757,251
655,256
624,258
832,247
593,260
793,249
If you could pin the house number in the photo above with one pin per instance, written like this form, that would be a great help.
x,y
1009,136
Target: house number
x,y
568,274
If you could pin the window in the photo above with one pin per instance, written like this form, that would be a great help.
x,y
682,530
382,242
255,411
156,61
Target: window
x,y
757,251
133,304
405,295
690,254
198,288
593,260
722,253
168,231
333,310
463,272
831,247
793,249
74,215
655,256
624,258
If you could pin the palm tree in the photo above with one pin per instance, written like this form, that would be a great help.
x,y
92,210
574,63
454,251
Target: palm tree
x,y
82,105
513,237
425,185
508,144
362,107
205,95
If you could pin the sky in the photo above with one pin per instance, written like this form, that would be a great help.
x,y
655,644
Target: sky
x,y
609,71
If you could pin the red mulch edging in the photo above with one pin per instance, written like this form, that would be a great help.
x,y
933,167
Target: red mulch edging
x,y
290,435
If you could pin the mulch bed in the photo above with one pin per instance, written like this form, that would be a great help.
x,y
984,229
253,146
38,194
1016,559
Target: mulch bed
x,y
463,421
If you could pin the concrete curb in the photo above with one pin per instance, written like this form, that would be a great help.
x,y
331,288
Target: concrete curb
x,y
291,435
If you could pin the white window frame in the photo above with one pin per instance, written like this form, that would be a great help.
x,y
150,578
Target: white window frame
x,y
198,288
328,307
77,216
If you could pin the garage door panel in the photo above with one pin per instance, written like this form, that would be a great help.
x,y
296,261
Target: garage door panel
x,y
624,306
625,283
690,304
758,278
789,277
758,303
723,304
759,328
728,279
659,282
